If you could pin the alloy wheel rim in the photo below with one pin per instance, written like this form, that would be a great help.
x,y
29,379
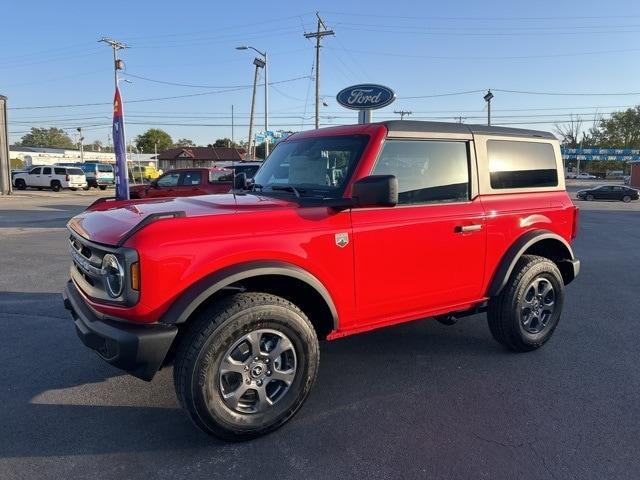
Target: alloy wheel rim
x,y
537,305
257,371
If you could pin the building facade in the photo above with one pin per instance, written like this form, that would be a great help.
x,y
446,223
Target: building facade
x,y
190,157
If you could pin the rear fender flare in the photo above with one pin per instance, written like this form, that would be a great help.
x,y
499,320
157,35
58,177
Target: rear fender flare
x,y
509,260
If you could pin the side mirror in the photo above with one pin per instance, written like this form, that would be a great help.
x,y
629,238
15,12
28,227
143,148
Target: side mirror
x,y
375,191
240,181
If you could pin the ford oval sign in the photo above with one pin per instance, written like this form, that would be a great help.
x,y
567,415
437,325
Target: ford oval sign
x,y
366,97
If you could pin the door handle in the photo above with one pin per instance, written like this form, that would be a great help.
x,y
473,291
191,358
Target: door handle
x,y
468,228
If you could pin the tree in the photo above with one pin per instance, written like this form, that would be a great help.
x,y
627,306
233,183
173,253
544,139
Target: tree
x,y
154,136
570,132
184,142
226,142
621,130
96,146
46,137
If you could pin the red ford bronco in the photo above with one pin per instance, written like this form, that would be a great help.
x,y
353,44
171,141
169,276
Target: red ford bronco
x,y
342,230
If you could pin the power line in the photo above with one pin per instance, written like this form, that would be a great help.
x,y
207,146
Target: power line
x,y
523,92
152,99
208,86
478,57
413,17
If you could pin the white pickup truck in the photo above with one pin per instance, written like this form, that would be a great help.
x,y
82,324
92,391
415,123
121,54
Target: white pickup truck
x,y
55,178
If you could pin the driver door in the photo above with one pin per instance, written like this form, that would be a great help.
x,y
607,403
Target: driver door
x,y
166,186
35,177
427,252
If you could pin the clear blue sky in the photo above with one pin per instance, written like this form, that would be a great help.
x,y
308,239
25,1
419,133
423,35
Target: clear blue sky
x,y
51,56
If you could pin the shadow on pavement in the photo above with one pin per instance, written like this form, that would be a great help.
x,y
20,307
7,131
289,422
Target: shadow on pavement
x,y
61,399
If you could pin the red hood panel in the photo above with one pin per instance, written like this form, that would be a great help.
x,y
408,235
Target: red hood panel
x,y
109,222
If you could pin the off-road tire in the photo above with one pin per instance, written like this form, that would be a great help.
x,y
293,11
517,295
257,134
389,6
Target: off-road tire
x,y
207,340
504,314
21,184
55,186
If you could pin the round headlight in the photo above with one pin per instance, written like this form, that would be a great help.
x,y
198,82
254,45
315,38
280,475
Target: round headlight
x,y
114,274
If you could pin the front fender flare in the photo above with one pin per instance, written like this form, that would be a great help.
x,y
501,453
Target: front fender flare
x,y
200,291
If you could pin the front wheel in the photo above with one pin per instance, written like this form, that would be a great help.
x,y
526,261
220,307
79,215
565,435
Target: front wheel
x,y
246,365
21,184
525,314
103,187
55,186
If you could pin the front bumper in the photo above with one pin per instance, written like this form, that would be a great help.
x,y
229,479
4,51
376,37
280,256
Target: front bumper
x,y
136,349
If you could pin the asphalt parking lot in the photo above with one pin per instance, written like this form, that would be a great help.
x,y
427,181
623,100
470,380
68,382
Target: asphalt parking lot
x,y
416,401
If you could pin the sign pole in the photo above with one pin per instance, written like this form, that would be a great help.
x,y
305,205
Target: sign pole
x,y
364,116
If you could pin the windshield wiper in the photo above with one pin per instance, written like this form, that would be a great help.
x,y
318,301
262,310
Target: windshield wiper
x,y
289,188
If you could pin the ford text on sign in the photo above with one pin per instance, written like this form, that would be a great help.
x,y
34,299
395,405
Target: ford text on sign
x,y
366,97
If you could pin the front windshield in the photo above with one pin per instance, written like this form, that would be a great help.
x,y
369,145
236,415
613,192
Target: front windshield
x,y
313,166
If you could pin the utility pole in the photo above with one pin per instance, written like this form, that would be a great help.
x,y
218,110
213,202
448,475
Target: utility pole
x,y
117,63
460,119
81,144
487,98
266,106
402,113
259,64
318,34
232,124
5,166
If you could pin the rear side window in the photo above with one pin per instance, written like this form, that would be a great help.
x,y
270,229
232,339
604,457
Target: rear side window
x,y
105,168
521,164
60,171
74,171
427,171
190,178
46,171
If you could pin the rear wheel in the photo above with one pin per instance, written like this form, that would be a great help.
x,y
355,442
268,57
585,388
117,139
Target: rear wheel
x,y
73,189
525,314
626,199
86,187
56,186
21,184
589,197
103,187
246,365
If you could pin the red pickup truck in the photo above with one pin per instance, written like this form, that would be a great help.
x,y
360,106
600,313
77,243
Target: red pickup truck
x,y
342,230
187,182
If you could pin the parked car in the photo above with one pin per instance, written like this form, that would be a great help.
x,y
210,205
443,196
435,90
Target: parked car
x,y
609,192
187,182
144,173
585,176
343,230
54,177
99,175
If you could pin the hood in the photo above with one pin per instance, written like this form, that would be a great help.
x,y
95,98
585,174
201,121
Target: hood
x,y
109,222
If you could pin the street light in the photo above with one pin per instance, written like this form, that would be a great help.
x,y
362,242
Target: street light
x,y
266,94
487,98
